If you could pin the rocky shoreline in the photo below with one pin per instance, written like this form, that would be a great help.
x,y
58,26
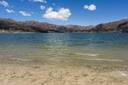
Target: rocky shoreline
x,y
43,74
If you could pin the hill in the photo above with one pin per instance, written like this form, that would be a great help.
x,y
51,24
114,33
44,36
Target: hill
x,y
9,25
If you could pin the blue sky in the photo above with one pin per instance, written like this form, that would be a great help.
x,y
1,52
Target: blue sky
x,y
83,12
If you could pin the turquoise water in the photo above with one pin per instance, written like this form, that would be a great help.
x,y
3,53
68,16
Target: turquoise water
x,y
66,48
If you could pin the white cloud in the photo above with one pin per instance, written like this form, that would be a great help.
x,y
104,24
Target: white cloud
x,y
42,7
10,11
40,1
91,7
61,14
4,3
24,13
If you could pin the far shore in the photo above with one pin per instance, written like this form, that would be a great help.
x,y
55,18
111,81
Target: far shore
x,y
7,31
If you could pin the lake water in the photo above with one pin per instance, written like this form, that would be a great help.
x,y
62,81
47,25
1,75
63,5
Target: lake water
x,y
66,48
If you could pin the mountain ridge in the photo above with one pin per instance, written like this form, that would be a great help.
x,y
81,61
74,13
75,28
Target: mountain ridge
x,y
10,25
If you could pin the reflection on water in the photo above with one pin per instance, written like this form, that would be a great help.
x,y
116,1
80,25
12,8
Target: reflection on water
x,y
66,48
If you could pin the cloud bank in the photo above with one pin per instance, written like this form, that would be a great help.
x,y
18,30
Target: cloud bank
x,y
10,11
61,14
24,13
91,7
4,3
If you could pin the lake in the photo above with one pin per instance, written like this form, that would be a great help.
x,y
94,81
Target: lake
x,y
66,48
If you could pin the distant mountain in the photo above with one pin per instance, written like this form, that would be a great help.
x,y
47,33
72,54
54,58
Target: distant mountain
x,y
116,26
9,25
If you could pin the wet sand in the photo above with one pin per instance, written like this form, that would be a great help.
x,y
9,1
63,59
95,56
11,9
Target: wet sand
x,y
13,73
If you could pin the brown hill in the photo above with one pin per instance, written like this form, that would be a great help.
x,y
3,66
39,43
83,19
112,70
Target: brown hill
x,y
9,25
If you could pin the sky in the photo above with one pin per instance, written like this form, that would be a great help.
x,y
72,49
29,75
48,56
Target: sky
x,y
79,12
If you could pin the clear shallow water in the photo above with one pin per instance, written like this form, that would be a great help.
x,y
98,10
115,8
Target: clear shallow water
x,y
66,48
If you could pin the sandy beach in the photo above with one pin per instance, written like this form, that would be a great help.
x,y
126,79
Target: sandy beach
x,y
13,73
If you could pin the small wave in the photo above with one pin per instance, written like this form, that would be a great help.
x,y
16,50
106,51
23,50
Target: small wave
x,y
87,54
111,60
19,59
120,73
